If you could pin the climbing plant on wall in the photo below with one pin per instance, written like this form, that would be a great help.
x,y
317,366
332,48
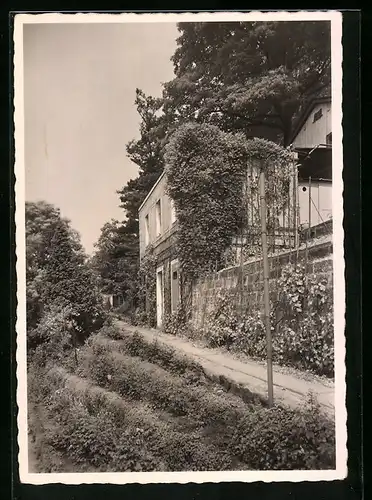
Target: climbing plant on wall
x,y
206,174
147,287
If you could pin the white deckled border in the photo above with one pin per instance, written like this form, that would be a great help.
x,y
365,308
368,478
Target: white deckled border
x,y
158,17
338,237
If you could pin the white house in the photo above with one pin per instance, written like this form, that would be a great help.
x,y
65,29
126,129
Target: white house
x,y
312,140
157,228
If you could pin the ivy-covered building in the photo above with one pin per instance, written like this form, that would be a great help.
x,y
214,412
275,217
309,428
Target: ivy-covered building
x,y
313,204
157,228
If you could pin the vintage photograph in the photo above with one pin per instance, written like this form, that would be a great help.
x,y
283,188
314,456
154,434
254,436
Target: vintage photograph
x,y
179,247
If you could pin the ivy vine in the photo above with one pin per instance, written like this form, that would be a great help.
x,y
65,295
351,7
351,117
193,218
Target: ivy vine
x,y
206,177
147,288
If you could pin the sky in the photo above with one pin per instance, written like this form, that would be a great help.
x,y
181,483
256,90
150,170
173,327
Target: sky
x,y
79,91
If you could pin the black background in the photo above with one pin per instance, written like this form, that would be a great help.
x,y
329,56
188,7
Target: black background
x,y
351,488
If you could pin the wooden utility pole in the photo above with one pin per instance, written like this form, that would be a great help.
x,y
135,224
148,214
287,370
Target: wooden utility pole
x,y
296,206
242,246
266,288
309,207
308,232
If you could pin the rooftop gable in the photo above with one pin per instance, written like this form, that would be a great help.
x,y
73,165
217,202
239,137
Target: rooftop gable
x,y
307,109
152,190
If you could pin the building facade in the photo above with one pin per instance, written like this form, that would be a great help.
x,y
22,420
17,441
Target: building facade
x,y
312,139
314,126
157,228
158,222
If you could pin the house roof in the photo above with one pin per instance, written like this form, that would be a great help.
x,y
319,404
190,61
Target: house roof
x,y
307,109
152,189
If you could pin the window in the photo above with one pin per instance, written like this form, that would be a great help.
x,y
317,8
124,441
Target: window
x,y
147,230
318,115
158,217
329,138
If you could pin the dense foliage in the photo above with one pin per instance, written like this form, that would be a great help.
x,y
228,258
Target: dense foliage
x,y
301,318
206,174
58,278
42,221
145,313
161,414
248,76
116,258
116,261
147,153
161,354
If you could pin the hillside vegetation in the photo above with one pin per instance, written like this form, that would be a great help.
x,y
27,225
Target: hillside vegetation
x,y
125,404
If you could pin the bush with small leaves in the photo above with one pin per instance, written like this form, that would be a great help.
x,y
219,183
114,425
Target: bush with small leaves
x,y
163,355
112,434
281,438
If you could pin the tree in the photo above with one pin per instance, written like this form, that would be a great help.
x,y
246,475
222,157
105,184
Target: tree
x,y
116,259
147,153
42,220
56,271
117,251
69,282
248,76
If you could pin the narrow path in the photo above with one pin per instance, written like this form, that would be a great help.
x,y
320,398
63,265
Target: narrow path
x,y
249,375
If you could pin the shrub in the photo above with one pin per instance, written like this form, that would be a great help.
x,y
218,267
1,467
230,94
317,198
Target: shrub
x,y
175,323
52,338
281,438
139,318
110,434
94,437
139,380
221,326
112,331
163,355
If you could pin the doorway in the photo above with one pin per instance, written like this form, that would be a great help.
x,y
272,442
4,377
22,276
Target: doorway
x,y
159,297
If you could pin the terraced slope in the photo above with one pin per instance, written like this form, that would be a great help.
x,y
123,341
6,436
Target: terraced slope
x,y
132,405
